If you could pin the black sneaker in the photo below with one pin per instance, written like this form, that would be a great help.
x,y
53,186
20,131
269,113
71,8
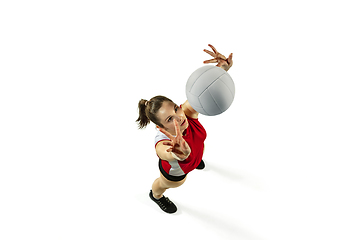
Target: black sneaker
x,y
164,203
201,165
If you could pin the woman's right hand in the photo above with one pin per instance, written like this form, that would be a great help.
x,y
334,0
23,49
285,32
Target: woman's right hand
x,y
178,145
221,60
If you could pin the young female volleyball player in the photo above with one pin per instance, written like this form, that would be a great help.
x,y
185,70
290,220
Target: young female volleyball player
x,y
179,142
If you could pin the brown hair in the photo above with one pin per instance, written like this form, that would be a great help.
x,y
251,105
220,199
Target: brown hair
x,y
149,109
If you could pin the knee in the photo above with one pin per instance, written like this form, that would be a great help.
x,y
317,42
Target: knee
x,y
158,184
163,185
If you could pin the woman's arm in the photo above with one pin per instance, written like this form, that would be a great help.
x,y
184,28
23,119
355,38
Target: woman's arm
x,y
188,110
161,151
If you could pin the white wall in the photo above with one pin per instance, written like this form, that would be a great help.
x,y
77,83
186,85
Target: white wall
x,y
282,162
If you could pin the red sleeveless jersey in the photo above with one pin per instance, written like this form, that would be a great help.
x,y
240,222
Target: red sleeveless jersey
x,y
195,136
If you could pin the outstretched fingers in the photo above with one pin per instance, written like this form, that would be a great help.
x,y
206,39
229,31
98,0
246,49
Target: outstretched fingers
x,y
167,134
213,48
211,53
229,60
211,61
218,57
183,145
177,128
217,54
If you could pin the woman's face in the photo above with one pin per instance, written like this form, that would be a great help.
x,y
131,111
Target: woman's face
x,y
168,113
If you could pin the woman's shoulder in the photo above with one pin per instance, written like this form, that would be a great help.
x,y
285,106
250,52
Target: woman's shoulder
x,y
160,137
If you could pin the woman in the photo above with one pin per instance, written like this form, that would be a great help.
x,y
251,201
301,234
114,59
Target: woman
x,y
179,142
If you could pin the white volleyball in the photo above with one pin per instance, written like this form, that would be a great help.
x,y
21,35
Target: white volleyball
x,y
210,90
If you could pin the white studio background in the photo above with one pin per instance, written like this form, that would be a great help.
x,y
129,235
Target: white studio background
x,y
282,162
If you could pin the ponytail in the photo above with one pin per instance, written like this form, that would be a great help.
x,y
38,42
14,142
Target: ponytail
x,y
149,109
143,120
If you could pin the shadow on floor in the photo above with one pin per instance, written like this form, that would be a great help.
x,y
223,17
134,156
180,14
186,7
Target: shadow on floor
x,y
224,226
234,176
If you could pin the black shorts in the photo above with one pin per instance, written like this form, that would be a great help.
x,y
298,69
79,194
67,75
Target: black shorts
x,y
169,177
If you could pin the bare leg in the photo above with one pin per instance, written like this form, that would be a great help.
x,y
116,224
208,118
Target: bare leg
x,y
157,189
161,184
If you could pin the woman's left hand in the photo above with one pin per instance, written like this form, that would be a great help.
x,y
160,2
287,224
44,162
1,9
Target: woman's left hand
x,y
178,145
221,60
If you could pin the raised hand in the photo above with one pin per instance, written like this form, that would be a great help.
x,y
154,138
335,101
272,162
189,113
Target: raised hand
x,y
221,60
178,145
